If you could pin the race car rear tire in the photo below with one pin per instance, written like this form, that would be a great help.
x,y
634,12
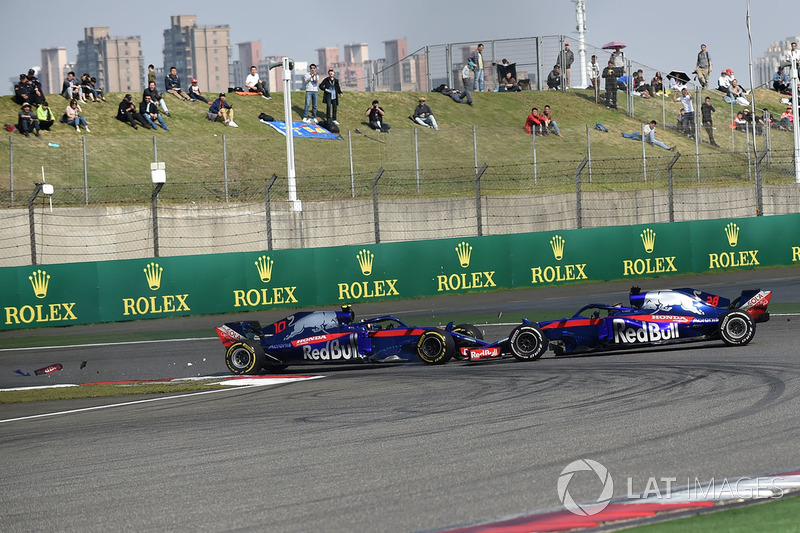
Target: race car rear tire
x,y
527,343
435,347
468,330
737,328
244,359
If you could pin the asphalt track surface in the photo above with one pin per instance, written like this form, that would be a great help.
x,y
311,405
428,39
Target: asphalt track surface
x,y
395,447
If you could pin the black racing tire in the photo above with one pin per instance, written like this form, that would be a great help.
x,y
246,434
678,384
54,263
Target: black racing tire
x,y
470,331
244,359
435,347
527,343
737,328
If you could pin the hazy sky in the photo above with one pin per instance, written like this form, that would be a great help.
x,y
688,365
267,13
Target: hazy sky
x,y
664,35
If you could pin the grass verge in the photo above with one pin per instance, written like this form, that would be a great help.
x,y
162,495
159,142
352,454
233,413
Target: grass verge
x,y
100,391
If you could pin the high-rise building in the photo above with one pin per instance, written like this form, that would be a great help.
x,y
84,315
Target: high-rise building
x,y
395,50
51,74
249,54
202,52
116,62
327,58
356,53
766,66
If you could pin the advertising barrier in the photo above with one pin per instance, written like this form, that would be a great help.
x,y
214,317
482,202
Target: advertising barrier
x,y
109,291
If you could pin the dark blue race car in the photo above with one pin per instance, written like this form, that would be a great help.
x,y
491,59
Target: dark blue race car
x,y
653,318
320,337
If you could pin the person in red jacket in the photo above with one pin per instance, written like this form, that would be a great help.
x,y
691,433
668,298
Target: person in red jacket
x,y
534,123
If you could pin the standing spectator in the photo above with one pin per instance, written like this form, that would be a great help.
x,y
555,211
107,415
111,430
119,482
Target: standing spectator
x,y
254,84
618,58
610,76
593,70
475,60
465,76
148,109
649,131
703,67
126,112
705,111
312,94
375,114
330,95
688,107
564,61
220,109
70,88
172,84
554,78
195,94
74,117
45,116
151,73
424,116
549,122
794,53
155,96
28,122
533,124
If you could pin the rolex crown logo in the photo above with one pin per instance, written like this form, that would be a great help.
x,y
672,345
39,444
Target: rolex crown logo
x,y
39,281
153,274
649,240
365,258
557,244
264,266
732,232
464,251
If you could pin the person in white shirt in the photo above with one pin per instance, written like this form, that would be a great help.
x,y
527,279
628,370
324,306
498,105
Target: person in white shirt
x,y
688,106
593,70
312,94
649,131
254,84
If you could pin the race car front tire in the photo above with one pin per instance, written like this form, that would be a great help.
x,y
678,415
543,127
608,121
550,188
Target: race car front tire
x,y
435,347
737,328
527,343
242,358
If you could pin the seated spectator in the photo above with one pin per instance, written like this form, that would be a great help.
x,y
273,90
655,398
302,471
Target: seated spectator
x,y
657,84
27,91
127,113
779,81
45,116
87,90
787,118
28,122
739,123
155,96
424,116
254,84
640,86
456,95
70,88
98,91
148,109
195,94
548,121
649,131
172,84
534,124
554,78
724,82
736,94
509,84
222,111
751,120
74,117
375,115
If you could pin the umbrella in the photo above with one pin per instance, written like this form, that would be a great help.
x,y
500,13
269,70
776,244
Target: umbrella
x,y
678,75
612,45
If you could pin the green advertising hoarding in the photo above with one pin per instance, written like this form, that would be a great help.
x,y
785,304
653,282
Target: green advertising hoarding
x,y
106,291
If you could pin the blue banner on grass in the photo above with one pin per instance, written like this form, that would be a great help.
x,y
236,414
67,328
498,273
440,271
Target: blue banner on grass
x,y
301,129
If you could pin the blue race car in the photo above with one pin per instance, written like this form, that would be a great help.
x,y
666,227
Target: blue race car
x,y
653,318
319,337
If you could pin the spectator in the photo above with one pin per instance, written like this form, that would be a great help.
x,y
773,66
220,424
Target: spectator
x,y
657,84
28,122
155,96
423,114
98,91
70,88
172,84
21,90
87,91
681,122
533,124
549,121
45,116
794,53
221,110
465,76
330,95
254,84
703,66
724,82
34,81
554,78
610,76
739,122
649,132
688,107
312,94
195,94
780,81
126,112
751,120
456,95
787,118
564,62
148,109
705,111
640,86
151,73
618,58
375,114
737,94
593,70
475,60
74,117
509,84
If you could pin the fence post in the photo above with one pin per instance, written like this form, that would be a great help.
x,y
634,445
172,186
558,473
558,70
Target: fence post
x,y
589,151
11,166
428,69
578,219
696,131
478,176
475,146
644,156
747,145
267,210
448,60
535,177
416,157
670,190
759,192
375,212
154,200
85,169
225,163
31,220
352,175
538,41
